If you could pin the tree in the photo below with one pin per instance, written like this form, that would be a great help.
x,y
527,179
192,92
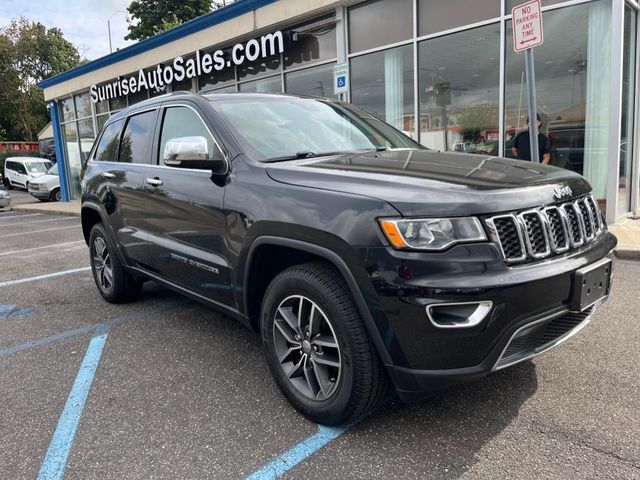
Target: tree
x,y
149,17
29,53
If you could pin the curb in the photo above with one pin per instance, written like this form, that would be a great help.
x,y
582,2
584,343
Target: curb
x,y
25,208
627,253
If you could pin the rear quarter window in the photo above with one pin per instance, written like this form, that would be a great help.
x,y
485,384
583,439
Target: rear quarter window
x,y
107,150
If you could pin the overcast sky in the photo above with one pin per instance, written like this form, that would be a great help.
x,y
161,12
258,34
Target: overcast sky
x,y
83,22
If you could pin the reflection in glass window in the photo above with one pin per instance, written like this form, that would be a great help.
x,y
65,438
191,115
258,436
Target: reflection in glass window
x,y
315,81
139,96
72,155
573,89
440,15
382,84
136,140
628,102
378,23
515,3
311,42
83,105
101,120
183,122
459,76
265,85
108,146
217,78
261,66
118,103
67,111
102,107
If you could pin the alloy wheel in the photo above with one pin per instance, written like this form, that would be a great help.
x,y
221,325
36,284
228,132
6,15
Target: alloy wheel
x,y
102,264
307,347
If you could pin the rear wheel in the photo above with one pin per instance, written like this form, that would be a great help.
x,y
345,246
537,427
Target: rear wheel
x,y
7,184
317,347
115,284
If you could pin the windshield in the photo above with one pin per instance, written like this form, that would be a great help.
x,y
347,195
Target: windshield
x,y
37,167
53,170
275,128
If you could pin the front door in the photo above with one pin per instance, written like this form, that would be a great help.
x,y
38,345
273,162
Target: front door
x,y
184,214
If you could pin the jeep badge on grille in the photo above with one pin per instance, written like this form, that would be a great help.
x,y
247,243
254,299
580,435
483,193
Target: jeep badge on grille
x,y
562,192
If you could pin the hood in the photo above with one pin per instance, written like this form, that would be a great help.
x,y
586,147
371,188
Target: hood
x,y
425,182
36,174
46,178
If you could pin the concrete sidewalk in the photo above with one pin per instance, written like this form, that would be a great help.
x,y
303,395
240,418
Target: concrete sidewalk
x,y
627,231
51,208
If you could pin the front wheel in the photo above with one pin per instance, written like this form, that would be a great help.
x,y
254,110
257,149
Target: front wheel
x,y
56,196
114,283
317,347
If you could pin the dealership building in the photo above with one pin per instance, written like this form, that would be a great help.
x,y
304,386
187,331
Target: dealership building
x,y
442,71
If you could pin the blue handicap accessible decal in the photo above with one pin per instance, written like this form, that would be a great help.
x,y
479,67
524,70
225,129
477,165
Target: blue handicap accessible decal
x,y
13,311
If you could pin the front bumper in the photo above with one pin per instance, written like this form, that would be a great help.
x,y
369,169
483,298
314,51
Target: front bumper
x,y
40,194
422,357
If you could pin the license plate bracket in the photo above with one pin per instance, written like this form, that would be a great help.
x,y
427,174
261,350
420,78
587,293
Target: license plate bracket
x,y
591,284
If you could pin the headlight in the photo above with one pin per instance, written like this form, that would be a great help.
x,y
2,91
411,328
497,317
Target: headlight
x,y
431,233
43,187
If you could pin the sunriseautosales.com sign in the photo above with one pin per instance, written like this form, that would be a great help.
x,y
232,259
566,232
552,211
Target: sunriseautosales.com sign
x,y
180,69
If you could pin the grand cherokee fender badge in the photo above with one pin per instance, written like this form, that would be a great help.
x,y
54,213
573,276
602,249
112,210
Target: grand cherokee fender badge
x,y
562,192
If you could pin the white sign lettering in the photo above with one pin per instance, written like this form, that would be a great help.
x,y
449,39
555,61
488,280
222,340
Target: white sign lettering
x,y
180,69
527,26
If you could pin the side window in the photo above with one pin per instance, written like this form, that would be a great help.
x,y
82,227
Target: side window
x,y
183,122
20,169
135,146
108,147
9,166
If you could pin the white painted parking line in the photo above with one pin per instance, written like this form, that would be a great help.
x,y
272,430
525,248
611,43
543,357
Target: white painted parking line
x,y
11,217
58,219
14,252
43,277
39,231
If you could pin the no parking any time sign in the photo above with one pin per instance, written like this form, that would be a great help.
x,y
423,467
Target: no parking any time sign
x,y
527,26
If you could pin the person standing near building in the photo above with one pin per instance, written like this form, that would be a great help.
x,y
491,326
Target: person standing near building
x,y
521,148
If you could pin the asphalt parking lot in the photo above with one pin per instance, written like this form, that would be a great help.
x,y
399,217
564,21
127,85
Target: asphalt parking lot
x,y
166,388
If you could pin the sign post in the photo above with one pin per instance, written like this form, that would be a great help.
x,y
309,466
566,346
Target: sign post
x,y
527,34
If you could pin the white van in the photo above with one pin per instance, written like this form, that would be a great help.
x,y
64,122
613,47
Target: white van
x,y
20,171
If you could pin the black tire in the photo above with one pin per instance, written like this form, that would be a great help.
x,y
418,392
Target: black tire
x,y
55,196
361,381
7,184
122,287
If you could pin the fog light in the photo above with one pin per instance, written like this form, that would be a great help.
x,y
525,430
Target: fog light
x,y
458,315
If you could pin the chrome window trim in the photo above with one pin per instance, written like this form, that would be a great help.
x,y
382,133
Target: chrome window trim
x,y
480,313
527,239
493,233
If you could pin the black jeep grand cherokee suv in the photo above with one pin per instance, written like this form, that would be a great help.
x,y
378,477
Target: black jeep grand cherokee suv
x,y
360,256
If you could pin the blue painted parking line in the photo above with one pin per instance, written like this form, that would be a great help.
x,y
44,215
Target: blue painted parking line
x,y
44,277
100,327
55,460
292,457
13,311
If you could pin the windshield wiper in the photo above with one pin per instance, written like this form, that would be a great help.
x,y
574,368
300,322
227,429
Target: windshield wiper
x,y
300,155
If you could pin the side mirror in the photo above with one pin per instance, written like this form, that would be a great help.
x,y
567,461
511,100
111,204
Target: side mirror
x,y
193,152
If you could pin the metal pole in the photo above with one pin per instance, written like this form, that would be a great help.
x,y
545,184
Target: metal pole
x,y
530,73
109,29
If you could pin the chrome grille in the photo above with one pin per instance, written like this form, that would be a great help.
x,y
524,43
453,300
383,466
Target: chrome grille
x,y
539,233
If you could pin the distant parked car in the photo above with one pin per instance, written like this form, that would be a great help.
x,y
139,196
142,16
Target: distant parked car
x,y
20,171
47,187
5,198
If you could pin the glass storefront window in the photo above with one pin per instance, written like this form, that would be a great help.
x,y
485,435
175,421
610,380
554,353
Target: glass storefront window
x,y
139,96
67,112
378,23
440,15
315,81
217,78
83,105
262,66
382,84
458,81
101,120
573,89
118,103
311,42
628,103
227,89
102,107
514,3
264,85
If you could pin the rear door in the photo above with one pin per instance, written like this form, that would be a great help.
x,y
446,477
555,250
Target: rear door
x,y
20,176
124,152
184,210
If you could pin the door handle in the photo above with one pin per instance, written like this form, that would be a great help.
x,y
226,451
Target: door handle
x,y
108,175
154,182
